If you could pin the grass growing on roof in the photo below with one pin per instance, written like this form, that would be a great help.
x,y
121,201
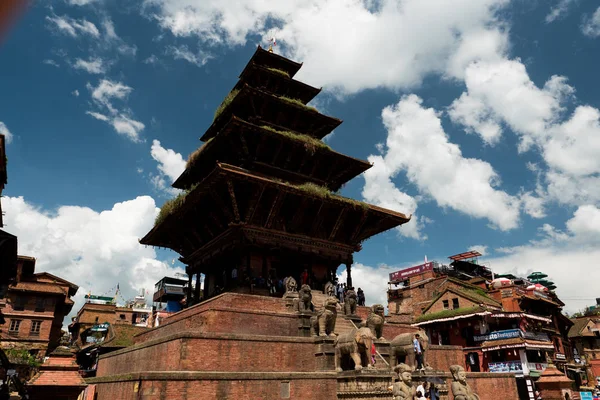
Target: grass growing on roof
x,y
449,313
279,71
226,102
297,102
194,156
173,205
321,191
311,143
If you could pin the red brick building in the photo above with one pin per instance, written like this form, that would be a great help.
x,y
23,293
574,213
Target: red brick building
x,y
57,379
34,309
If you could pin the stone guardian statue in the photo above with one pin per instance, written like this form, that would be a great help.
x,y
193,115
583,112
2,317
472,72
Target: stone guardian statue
x,y
460,388
402,389
350,302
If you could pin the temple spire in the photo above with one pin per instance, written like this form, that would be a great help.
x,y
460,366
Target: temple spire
x,y
272,43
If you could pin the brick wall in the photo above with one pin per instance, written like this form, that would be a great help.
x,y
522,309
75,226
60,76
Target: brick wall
x,y
191,351
201,386
441,357
491,385
449,298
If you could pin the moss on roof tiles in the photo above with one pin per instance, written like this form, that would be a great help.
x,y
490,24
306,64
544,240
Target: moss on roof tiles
x,y
450,313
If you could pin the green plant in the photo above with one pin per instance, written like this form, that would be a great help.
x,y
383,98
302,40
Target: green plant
x,y
226,102
279,71
449,313
194,156
311,143
321,191
22,357
173,205
297,102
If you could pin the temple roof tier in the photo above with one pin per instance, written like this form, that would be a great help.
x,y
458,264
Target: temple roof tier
x,y
232,195
268,59
277,82
253,104
290,156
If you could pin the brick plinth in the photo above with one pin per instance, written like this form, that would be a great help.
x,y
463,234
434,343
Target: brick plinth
x,y
441,357
217,385
487,385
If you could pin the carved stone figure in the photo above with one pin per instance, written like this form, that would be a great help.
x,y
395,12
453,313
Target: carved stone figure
x,y
402,346
329,289
304,302
350,302
460,388
402,389
355,344
375,320
323,323
290,285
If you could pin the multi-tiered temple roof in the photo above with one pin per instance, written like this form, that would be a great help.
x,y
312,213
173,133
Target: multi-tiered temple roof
x,y
265,179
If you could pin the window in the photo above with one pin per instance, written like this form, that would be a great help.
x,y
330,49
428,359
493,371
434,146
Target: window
x,y
19,304
122,316
96,320
445,303
40,304
455,303
35,328
14,326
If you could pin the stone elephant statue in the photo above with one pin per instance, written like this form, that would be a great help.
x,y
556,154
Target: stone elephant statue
x,y
304,302
323,323
375,320
402,346
357,345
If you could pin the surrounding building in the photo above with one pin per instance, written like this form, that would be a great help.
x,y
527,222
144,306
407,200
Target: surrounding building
x,y
34,309
169,297
584,340
503,323
58,378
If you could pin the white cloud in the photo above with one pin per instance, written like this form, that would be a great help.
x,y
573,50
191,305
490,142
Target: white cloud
x,y
4,131
151,60
113,40
591,25
73,27
415,131
75,93
533,205
51,62
81,2
92,66
108,90
122,122
399,43
585,222
170,166
183,53
372,280
559,10
476,117
95,250
479,248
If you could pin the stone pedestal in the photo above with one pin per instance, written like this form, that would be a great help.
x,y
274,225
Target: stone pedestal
x,y
383,347
289,298
304,324
325,353
364,385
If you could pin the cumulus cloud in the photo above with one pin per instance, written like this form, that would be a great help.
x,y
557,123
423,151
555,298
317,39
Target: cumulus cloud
x,y
121,120
73,27
372,280
414,130
591,24
4,131
399,43
95,250
92,66
170,165
479,248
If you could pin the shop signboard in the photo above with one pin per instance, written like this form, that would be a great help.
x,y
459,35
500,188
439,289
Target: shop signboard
x,y
406,273
586,395
540,367
506,366
498,335
541,336
559,356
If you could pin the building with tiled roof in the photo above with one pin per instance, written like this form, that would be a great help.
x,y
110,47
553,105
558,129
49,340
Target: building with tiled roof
x,y
58,378
34,309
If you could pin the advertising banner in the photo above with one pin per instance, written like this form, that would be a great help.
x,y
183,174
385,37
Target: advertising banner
x,y
406,273
506,366
498,335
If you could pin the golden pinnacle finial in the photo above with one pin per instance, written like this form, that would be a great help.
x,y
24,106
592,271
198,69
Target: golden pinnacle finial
x,y
270,48
271,44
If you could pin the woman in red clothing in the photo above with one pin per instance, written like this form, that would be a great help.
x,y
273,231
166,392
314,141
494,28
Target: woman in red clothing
x,y
304,277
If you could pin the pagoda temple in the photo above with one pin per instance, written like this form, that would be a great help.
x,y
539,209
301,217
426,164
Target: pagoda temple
x,y
260,194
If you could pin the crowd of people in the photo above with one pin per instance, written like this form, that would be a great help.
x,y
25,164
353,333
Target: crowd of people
x,y
341,289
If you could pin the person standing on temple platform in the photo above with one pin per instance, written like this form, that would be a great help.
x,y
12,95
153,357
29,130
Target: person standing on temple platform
x,y
304,277
361,297
234,276
418,351
373,352
340,293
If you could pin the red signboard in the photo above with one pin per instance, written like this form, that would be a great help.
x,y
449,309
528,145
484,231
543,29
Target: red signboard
x,y
406,273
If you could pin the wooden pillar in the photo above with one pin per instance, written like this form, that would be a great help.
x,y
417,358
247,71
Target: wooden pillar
x,y
349,274
197,290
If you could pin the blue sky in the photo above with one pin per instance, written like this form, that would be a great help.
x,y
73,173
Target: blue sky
x,y
481,119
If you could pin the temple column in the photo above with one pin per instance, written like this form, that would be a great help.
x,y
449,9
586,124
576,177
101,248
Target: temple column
x,y
349,274
197,290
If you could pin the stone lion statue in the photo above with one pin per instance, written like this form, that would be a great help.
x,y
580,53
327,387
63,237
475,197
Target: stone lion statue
x,y
290,284
402,346
323,323
357,345
375,320
350,302
329,289
304,302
